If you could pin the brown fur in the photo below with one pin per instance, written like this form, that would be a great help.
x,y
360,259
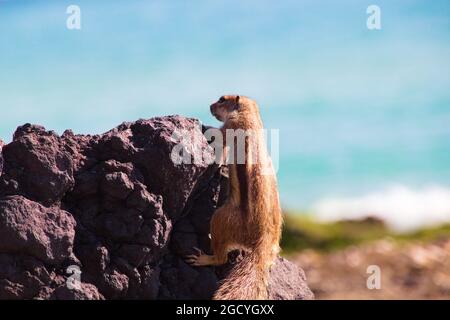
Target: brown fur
x,y
251,216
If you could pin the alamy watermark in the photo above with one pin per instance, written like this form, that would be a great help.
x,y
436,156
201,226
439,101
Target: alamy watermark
x,y
374,280
374,19
73,21
73,281
232,146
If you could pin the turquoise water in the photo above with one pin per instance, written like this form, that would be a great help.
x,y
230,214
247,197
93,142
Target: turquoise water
x,y
358,110
337,153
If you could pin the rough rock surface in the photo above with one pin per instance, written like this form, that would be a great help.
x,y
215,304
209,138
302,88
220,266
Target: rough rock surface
x,y
116,208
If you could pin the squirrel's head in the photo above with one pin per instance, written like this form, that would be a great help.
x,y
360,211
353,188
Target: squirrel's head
x,y
230,106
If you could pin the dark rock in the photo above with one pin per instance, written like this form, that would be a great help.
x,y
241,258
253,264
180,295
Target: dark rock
x,y
117,208
117,185
28,227
85,291
154,143
95,258
288,282
113,283
150,282
22,276
38,161
137,255
184,238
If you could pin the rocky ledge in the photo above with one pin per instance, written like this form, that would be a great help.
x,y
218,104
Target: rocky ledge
x,y
115,212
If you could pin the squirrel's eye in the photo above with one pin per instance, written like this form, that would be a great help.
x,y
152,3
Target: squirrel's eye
x,y
222,99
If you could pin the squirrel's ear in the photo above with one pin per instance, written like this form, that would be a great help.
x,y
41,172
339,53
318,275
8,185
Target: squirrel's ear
x,y
236,103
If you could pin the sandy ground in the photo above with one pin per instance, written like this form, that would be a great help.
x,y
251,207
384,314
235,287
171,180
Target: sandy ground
x,y
408,271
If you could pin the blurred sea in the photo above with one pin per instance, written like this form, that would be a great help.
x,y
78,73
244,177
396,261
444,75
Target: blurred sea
x,y
384,160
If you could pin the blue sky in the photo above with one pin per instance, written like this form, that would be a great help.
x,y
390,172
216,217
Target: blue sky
x,y
318,73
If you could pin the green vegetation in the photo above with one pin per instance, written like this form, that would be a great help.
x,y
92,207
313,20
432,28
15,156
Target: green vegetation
x,y
428,234
303,232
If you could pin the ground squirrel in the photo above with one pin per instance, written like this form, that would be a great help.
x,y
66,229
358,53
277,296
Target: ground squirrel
x,y
250,218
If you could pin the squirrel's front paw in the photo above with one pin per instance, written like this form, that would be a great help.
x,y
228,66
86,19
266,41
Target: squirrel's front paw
x,y
199,259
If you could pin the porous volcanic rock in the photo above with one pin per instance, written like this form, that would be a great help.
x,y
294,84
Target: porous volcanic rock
x,y
120,208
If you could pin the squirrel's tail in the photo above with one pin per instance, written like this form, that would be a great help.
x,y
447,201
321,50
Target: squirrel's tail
x,y
247,279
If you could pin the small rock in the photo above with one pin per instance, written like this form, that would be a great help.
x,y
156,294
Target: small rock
x,y
288,282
